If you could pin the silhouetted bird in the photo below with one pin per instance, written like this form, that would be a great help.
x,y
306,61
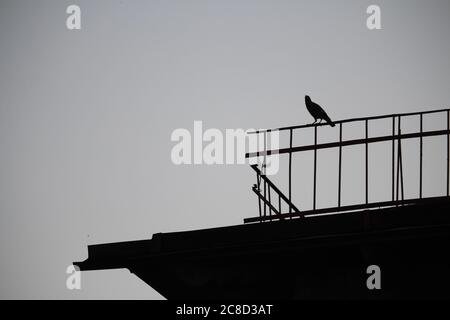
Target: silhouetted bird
x,y
317,112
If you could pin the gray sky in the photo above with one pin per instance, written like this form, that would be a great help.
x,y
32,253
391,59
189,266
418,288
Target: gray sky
x,y
86,116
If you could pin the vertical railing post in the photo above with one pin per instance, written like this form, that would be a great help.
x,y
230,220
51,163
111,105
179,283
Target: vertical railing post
x,y
393,158
290,171
270,204
421,156
263,171
399,161
367,161
279,203
448,151
401,168
258,184
340,165
315,167
258,178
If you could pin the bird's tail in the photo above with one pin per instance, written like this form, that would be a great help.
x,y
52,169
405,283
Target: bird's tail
x,y
328,120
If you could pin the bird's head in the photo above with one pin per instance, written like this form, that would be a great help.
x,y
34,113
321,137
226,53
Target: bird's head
x,y
307,98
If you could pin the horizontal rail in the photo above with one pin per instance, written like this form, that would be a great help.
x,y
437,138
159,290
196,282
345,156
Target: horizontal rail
x,y
350,120
348,143
382,204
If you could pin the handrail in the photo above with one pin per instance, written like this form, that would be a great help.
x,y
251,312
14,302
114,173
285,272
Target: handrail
x,y
350,120
397,181
346,143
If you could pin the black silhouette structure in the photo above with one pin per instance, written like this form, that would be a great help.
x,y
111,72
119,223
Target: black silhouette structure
x,y
304,254
317,112
267,209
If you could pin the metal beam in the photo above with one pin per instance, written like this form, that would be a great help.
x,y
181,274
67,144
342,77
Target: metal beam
x,y
348,208
348,143
351,120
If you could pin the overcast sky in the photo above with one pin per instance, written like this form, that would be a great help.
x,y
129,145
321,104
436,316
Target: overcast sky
x,y
86,116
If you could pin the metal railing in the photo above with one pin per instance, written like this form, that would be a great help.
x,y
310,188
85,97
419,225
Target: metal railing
x,y
264,186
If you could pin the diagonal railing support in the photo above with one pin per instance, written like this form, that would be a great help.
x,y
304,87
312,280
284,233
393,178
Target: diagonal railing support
x,y
271,185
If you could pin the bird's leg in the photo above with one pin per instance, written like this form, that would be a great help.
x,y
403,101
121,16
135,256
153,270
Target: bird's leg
x,y
315,120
